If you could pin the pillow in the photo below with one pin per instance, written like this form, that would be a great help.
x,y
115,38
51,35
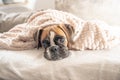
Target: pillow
x,y
105,10
8,21
13,1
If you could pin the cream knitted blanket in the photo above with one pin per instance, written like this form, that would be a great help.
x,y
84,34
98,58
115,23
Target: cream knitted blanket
x,y
88,34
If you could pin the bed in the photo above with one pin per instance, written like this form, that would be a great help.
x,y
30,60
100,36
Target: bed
x,y
80,65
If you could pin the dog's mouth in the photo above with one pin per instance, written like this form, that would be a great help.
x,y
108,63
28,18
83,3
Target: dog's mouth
x,y
56,53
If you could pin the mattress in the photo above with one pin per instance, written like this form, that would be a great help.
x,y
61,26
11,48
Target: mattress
x,y
80,65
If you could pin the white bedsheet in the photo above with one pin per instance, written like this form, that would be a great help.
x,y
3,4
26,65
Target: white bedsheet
x,y
80,65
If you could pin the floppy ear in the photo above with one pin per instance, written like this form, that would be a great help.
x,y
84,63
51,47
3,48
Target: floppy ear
x,y
69,31
37,38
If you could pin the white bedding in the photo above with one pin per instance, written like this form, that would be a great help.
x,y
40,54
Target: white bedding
x,y
80,65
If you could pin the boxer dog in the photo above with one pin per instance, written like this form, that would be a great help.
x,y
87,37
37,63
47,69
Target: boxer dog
x,y
55,40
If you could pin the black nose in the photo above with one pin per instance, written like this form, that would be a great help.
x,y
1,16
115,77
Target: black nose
x,y
54,48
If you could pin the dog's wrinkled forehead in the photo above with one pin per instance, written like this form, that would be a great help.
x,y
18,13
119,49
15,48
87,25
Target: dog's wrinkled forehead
x,y
51,32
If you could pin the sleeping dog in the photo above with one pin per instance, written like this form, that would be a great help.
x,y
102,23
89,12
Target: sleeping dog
x,y
55,40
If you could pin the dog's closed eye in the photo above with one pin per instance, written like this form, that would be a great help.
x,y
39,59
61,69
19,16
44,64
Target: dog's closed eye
x,y
45,43
59,39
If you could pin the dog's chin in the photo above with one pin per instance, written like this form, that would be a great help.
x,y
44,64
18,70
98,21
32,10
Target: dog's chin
x,y
61,54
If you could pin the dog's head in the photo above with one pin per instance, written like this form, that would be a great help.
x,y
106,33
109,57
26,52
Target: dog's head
x,y
54,39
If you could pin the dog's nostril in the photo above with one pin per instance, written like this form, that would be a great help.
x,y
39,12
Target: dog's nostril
x,y
61,46
54,48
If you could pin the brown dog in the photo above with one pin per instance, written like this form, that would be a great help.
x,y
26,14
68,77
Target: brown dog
x,y
55,40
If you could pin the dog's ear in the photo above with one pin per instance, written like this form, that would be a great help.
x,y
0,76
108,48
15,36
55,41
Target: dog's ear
x,y
37,38
68,30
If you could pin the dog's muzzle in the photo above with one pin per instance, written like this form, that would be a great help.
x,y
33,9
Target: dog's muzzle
x,y
56,52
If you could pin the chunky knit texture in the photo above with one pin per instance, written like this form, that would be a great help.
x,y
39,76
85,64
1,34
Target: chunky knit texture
x,y
88,34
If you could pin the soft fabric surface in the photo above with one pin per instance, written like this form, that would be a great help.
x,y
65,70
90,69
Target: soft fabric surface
x,y
105,10
87,35
9,20
80,65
